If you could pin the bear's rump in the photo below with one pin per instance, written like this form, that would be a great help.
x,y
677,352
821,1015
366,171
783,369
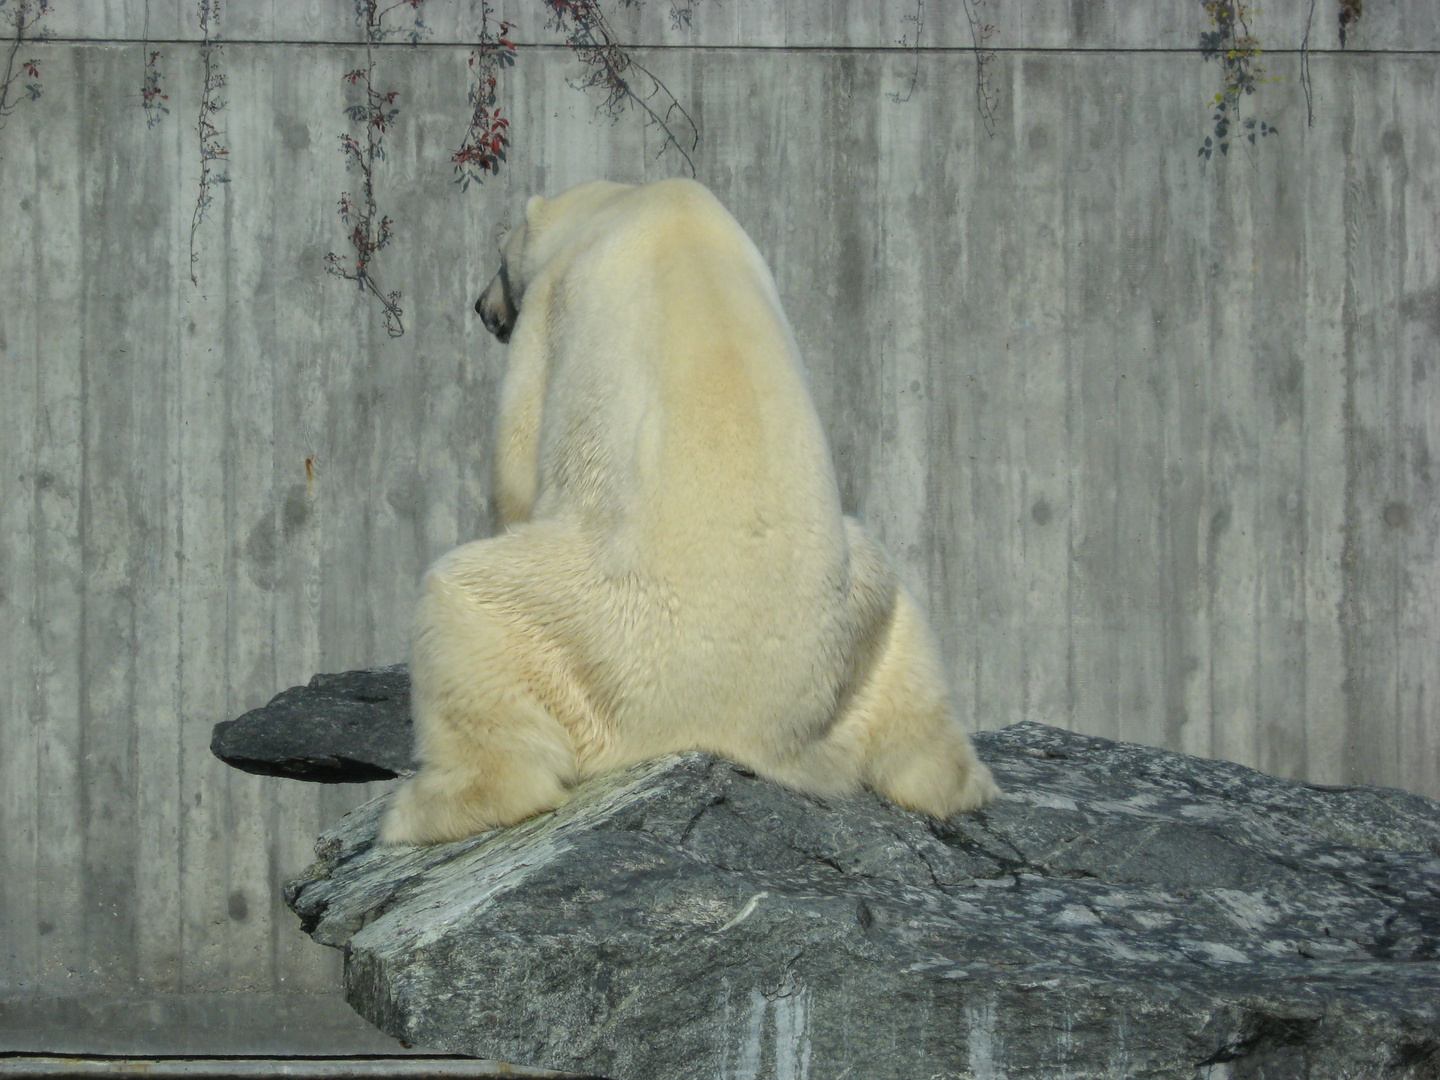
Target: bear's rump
x,y
724,662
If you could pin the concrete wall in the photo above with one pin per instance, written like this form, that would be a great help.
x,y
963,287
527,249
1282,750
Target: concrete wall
x,y
1152,436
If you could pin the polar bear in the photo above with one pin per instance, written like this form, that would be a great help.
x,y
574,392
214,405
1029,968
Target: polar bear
x,y
675,572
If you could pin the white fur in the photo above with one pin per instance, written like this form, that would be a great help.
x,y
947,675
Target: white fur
x,y
675,572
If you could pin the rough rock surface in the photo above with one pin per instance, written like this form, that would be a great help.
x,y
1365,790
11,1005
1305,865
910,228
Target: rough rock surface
x,y
1124,912
345,728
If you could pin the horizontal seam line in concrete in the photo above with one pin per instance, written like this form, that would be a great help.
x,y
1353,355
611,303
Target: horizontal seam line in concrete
x,y
937,50
26,1066
15,1057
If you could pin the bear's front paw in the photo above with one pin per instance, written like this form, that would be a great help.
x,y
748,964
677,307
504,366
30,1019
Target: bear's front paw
x,y
419,814
977,789
436,806
939,783
400,825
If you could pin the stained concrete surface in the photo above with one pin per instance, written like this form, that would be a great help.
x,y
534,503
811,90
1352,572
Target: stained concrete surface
x,y
1151,436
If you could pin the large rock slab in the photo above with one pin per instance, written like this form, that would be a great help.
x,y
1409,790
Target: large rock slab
x,y
1125,912
345,728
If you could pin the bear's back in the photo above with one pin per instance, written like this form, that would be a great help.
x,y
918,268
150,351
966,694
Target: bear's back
x,y
678,414
680,437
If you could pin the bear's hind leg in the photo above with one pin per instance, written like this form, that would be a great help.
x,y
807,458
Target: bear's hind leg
x,y
915,752
491,754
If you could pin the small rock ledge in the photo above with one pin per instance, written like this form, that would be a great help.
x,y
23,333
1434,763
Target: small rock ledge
x,y
339,729
1124,912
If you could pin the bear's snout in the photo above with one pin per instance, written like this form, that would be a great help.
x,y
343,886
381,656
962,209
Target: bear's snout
x,y
495,307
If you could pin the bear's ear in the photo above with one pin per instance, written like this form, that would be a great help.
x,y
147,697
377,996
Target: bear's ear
x,y
533,206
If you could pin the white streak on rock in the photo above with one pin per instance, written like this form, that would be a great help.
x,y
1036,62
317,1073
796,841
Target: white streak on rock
x,y
745,912
982,1040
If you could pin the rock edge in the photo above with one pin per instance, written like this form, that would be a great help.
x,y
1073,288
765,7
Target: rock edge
x,y
1124,912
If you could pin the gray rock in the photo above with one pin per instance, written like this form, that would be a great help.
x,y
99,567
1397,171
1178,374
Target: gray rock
x,y
1124,912
345,728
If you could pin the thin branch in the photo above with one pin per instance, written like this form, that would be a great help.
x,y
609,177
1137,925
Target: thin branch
x,y
986,96
1305,67
6,106
919,20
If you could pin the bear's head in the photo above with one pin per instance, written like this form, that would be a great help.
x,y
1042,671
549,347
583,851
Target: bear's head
x,y
499,304
550,227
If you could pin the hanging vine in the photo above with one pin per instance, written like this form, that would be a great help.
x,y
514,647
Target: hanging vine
x,y
214,152
24,17
374,114
1232,43
611,70
905,43
987,95
680,16
1305,67
483,148
152,96
622,79
1348,11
